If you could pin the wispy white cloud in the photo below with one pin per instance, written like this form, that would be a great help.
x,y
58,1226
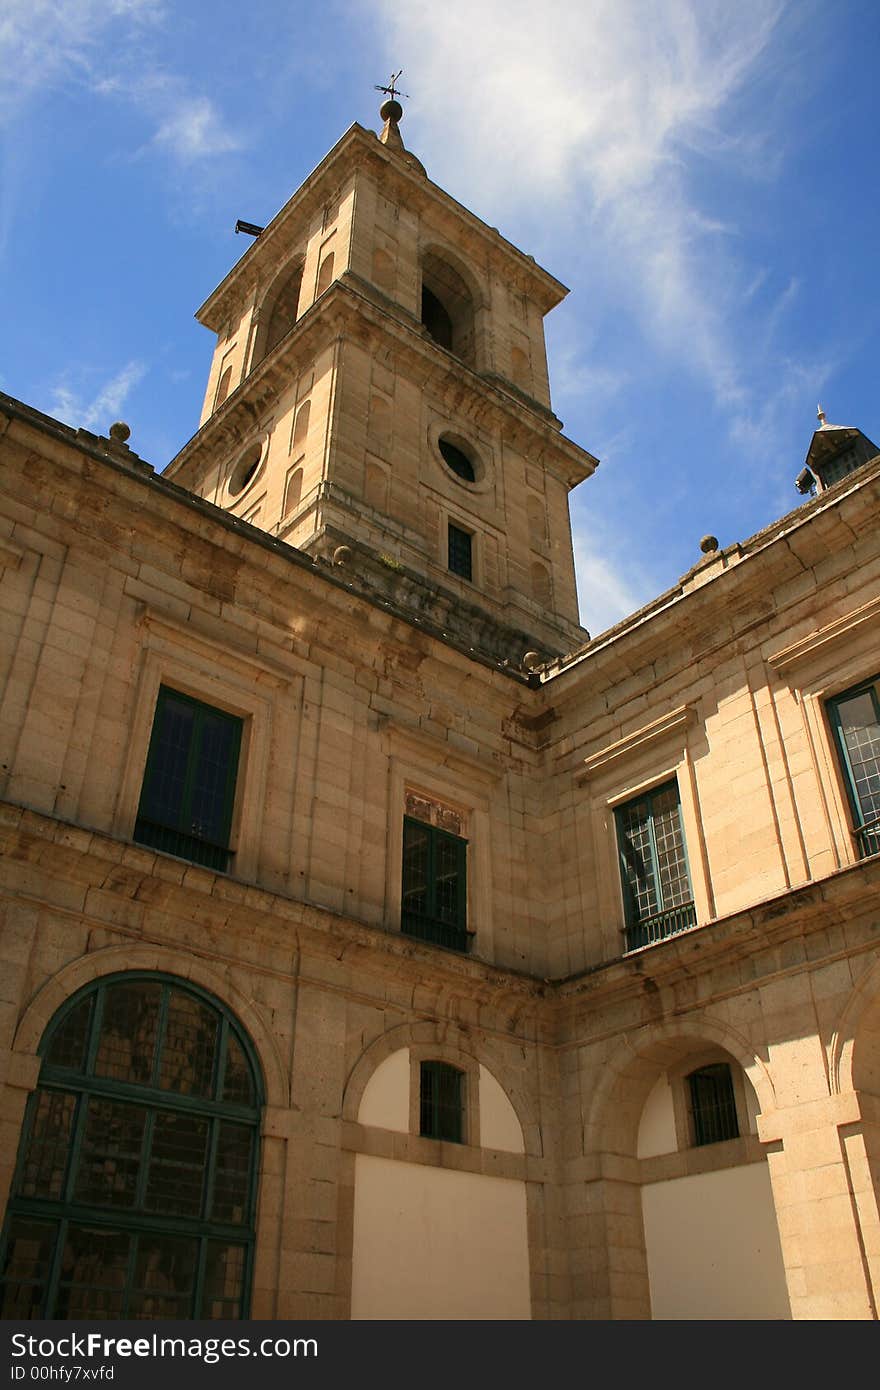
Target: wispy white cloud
x,y
99,44
605,106
609,585
79,404
44,43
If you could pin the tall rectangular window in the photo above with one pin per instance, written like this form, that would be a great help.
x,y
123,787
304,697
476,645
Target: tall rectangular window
x,y
653,867
189,781
460,551
434,891
712,1104
441,1108
855,718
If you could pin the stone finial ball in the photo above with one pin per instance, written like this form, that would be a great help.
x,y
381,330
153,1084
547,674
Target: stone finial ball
x,y
120,431
391,110
532,660
709,544
342,555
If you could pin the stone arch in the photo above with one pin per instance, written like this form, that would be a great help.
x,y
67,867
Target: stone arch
x,y
860,1016
279,309
119,960
451,301
615,1108
450,1044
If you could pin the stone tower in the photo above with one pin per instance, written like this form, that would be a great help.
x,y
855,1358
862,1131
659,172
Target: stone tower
x,y
379,399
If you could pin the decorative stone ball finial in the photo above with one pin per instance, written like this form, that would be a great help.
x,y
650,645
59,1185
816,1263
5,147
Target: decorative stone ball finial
x,y
391,110
532,660
709,544
120,432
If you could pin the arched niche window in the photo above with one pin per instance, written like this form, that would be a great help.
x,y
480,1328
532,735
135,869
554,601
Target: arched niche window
x,y
293,491
537,518
383,271
541,585
223,388
520,369
447,307
379,426
279,312
135,1186
325,274
301,427
441,1102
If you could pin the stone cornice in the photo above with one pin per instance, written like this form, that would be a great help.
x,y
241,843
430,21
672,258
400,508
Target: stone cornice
x,y
344,311
815,642
657,728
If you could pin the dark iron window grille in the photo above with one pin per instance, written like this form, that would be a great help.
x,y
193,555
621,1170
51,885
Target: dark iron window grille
x,y
135,1188
441,1108
189,781
657,891
855,719
460,551
713,1104
434,890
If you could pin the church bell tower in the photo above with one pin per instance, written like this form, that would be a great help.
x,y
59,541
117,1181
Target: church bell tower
x,y
379,399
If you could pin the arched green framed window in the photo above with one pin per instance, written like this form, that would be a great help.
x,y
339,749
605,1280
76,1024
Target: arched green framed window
x,y
135,1188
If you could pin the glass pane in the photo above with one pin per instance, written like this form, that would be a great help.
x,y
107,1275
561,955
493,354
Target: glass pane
x,y
635,849
675,886
128,1032
447,906
94,1269
110,1159
713,1105
29,1249
861,732
164,1277
232,1173
169,755
415,867
237,1084
224,1280
68,1046
189,1046
45,1159
211,777
177,1164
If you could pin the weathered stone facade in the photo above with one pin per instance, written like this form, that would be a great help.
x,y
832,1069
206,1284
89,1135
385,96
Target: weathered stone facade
x,y
370,676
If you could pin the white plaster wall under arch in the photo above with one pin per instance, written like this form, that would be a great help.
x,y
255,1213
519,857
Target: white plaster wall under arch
x,y
431,1240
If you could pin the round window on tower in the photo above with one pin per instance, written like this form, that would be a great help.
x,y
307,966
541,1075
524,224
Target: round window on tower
x,y
245,470
460,460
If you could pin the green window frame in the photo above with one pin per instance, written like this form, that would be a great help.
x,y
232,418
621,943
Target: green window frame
x,y
188,789
855,721
134,1192
657,893
461,559
712,1105
434,888
441,1102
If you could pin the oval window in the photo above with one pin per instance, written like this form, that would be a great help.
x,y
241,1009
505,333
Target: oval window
x,y
245,470
456,459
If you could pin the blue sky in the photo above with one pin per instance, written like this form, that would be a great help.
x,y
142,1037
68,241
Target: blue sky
x,y
702,174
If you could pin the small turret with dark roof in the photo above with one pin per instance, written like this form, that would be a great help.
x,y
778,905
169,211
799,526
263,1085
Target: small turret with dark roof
x,y
834,452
